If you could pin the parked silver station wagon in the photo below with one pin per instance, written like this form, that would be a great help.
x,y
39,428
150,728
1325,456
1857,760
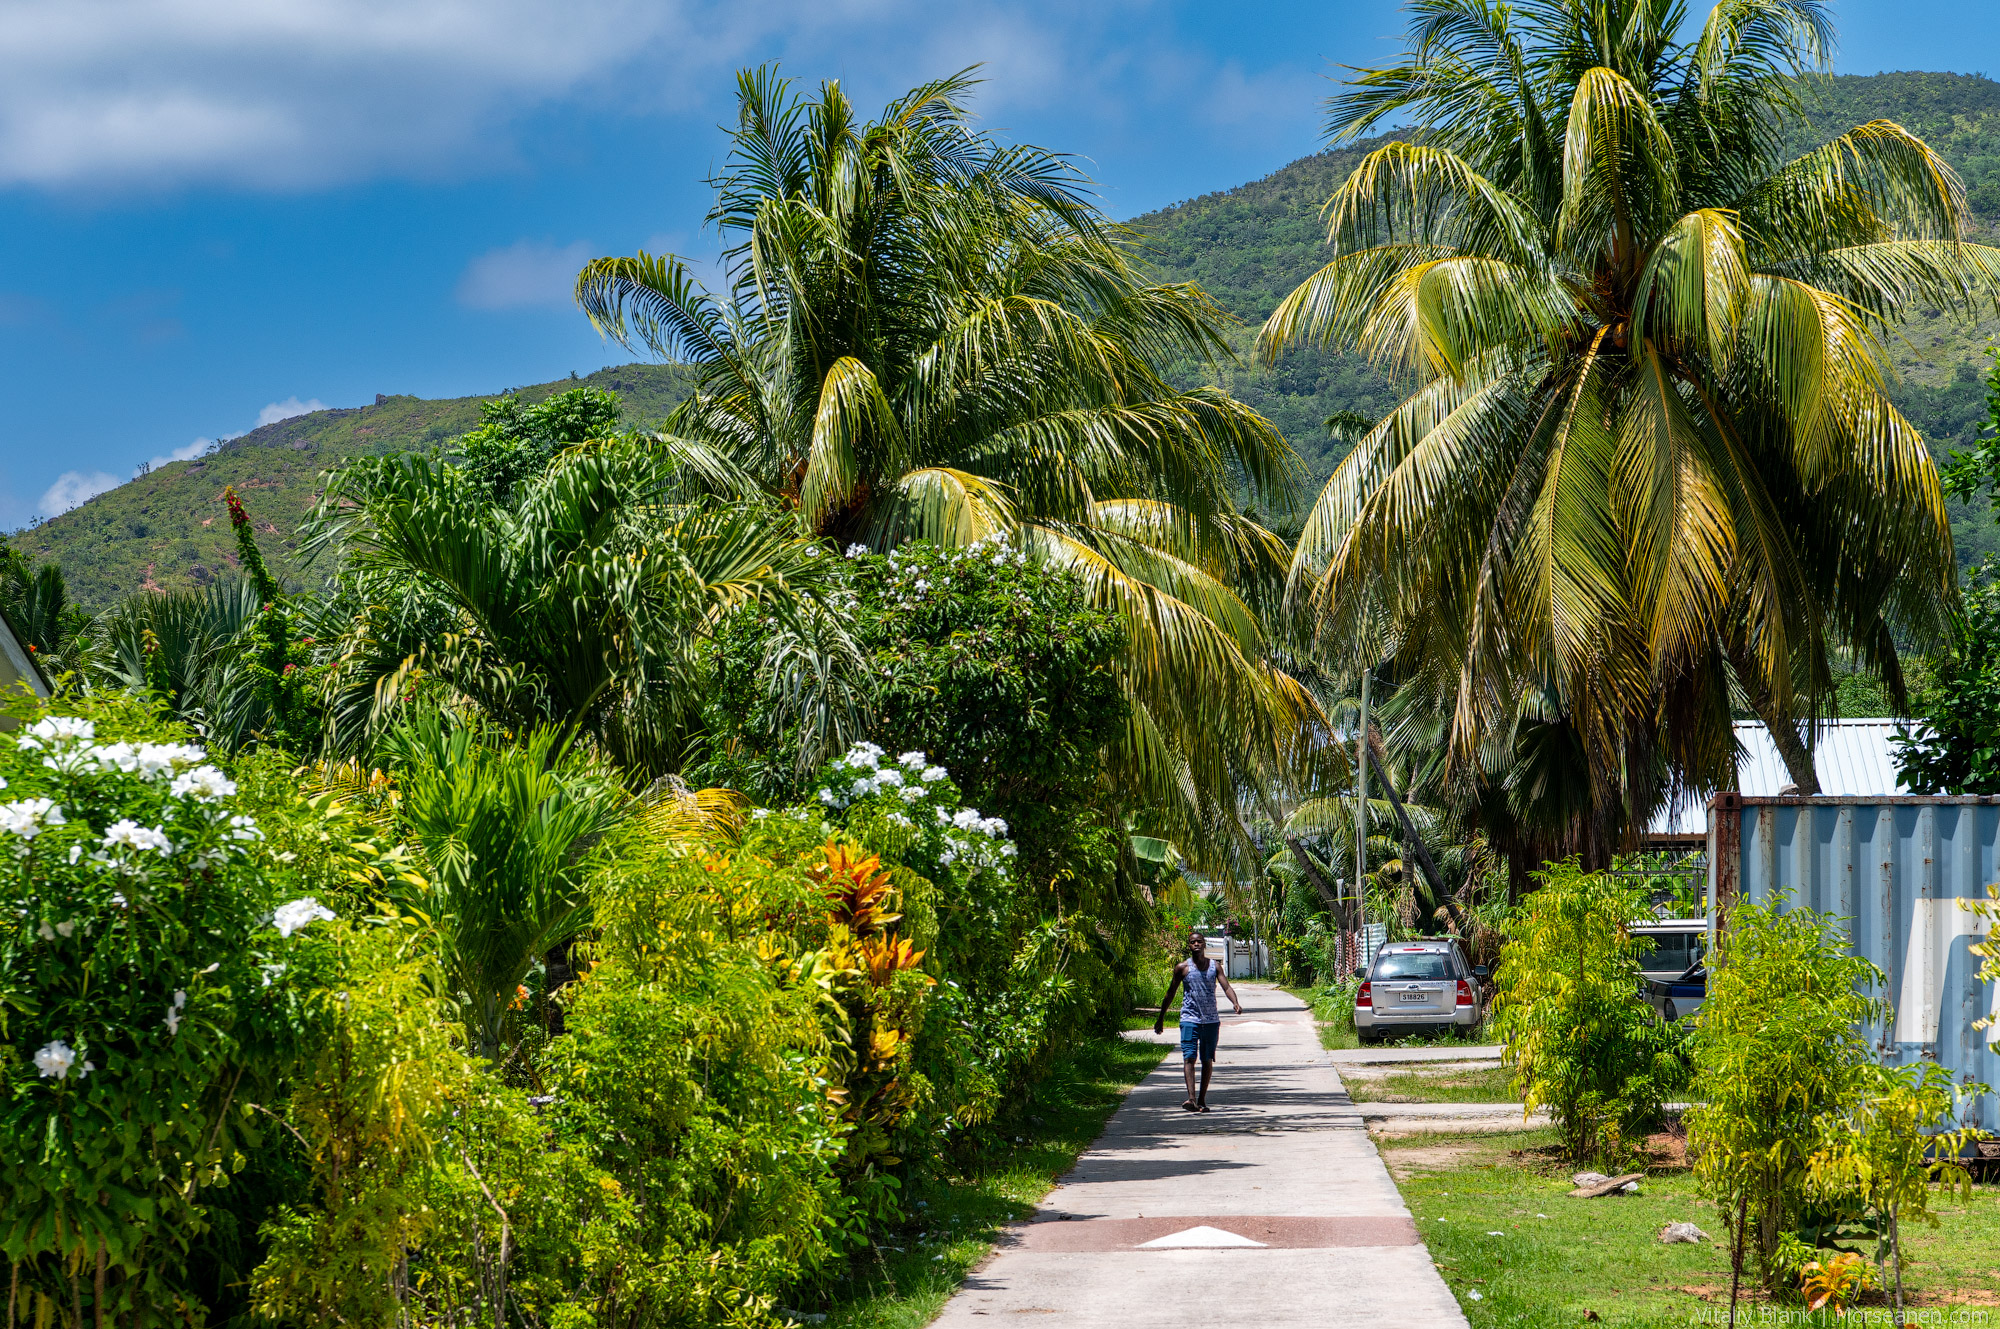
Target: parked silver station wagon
x,y
1417,985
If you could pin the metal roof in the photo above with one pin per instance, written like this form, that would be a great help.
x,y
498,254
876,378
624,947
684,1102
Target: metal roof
x,y
1853,759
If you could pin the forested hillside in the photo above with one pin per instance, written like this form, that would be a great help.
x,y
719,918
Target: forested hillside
x,y
1247,246
168,530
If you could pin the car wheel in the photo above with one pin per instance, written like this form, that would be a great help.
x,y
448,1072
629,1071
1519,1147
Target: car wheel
x,y
1668,1013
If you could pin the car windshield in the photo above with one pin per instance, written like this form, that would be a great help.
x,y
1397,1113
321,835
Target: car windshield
x,y
1412,964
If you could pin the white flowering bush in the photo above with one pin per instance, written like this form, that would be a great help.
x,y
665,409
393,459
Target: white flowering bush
x,y
145,948
912,793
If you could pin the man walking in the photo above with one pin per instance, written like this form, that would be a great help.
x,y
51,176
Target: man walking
x,y
1200,1023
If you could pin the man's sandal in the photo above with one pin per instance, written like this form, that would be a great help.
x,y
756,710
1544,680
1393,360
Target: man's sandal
x,y
1188,1106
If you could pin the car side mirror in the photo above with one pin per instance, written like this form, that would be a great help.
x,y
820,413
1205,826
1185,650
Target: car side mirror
x,y
1480,971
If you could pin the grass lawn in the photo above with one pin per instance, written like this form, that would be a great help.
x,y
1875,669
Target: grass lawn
x,y
1446,1084
906,1280
1518,1252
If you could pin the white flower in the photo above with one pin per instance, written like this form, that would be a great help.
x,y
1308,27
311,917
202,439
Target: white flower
x,y
174,1013
162,758
131,834
913,760
965,818
932,773
1007,850
861,788
180,999
900,819
75,852
828,797
245,828
943,817
856,550
993,826
53,729
912,792
66,929
271,972
758,814
56,1058
289,918
114,757
45,932
204,783
889,779
29,817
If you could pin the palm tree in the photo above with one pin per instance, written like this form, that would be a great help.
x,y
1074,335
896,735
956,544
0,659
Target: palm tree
x,y
933,336
509,836
1648,455
582,606
186,649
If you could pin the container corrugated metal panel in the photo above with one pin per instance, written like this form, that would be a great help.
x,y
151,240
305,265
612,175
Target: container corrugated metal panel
x,y
1896,868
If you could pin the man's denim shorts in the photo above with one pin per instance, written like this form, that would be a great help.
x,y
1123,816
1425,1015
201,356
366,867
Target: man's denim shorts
x,y
1200,1036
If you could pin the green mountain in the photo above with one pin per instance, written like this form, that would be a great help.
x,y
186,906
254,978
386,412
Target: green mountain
x,y
168,530
1247,246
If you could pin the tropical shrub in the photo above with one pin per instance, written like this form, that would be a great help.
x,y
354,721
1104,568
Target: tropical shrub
x,y
1883,1154
1779,1049
1007,958
514,443
999,670
151,974
1582,1041
1954,745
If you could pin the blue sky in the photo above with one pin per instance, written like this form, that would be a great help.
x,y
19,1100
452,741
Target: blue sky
x,y
216,212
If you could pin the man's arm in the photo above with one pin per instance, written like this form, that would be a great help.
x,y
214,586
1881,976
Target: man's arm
x,y
1168,1000
1222,976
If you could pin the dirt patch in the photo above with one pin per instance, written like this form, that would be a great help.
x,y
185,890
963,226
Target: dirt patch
x,y
1666,1151
1406,1163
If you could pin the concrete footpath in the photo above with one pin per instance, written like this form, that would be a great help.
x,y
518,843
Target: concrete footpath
x,y
1272,1209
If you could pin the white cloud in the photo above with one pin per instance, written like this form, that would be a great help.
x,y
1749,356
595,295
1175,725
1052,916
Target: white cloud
x,y
282,410
292,94
72,488
188,453
523,275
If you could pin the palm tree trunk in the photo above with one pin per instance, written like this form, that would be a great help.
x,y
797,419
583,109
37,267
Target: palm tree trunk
x,y
1334,904
1783,729
1410,836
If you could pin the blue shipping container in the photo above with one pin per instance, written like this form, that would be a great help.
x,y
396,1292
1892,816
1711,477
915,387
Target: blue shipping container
x,y
1897,868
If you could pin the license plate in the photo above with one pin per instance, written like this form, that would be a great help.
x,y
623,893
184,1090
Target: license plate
x,y
1423,997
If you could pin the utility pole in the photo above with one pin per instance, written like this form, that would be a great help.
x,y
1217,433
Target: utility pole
x,y
1361,807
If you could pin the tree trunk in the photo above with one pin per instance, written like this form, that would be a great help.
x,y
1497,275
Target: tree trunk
x,y
1783,729
1411,837
1736,1256
1896,1254
1335,905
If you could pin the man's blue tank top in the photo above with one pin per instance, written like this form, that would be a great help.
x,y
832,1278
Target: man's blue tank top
x,y
1198,1001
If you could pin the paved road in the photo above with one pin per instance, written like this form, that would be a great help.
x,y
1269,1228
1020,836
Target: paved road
x,y
1274,1209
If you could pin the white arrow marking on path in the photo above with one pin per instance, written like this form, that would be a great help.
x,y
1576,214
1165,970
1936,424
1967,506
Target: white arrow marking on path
x,y
1198,1236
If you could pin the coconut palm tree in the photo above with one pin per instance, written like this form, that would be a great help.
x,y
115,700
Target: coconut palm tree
x,y
929,335
1648,456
